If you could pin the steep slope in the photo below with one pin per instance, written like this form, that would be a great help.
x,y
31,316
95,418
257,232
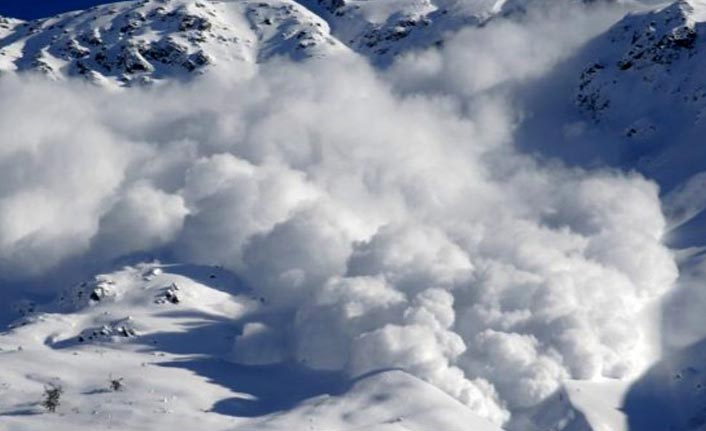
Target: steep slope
x,y
672,394
632,98
579,406
642,95
386,401
7,26
646,62
381,29
165,334
141,41
641,87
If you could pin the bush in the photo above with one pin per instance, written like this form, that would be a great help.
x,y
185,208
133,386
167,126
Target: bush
x,y
116,384
52,397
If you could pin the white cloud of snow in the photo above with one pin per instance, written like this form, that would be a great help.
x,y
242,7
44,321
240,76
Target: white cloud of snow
x,y
400,231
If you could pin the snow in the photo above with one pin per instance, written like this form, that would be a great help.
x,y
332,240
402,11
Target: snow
x,y
360,238
136,43
671,394
600,403
630,99
176,367
384,401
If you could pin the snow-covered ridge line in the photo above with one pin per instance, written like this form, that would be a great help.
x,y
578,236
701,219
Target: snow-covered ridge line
x,y
139,42
142,41
655,54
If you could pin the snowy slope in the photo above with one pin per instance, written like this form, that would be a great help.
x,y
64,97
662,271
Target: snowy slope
x,y
137,42
651,57
580,406
168,332
383,29
633,98
645,92
672,394
386,401
641,87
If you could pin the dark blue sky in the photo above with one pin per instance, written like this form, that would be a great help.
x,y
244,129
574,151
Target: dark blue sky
x,y
29,9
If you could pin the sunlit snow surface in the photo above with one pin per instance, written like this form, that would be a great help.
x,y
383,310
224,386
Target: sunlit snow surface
x,y
174,356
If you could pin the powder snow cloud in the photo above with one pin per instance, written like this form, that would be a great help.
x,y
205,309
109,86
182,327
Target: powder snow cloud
x,y
399,227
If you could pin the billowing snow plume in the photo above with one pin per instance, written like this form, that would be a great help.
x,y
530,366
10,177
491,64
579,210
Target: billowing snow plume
x,y
398,231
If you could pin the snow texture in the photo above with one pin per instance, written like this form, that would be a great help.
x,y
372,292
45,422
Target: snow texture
x,y
375,239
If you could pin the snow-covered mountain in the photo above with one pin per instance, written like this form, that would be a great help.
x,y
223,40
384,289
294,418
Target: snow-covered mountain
x,y
646,65
632,98
132,43
191,347
642,93
382,30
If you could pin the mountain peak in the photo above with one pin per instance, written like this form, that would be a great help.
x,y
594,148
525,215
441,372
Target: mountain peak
x,y
696,9
653,52
132,43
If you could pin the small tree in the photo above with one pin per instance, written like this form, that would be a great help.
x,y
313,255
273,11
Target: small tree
x,y
52,397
